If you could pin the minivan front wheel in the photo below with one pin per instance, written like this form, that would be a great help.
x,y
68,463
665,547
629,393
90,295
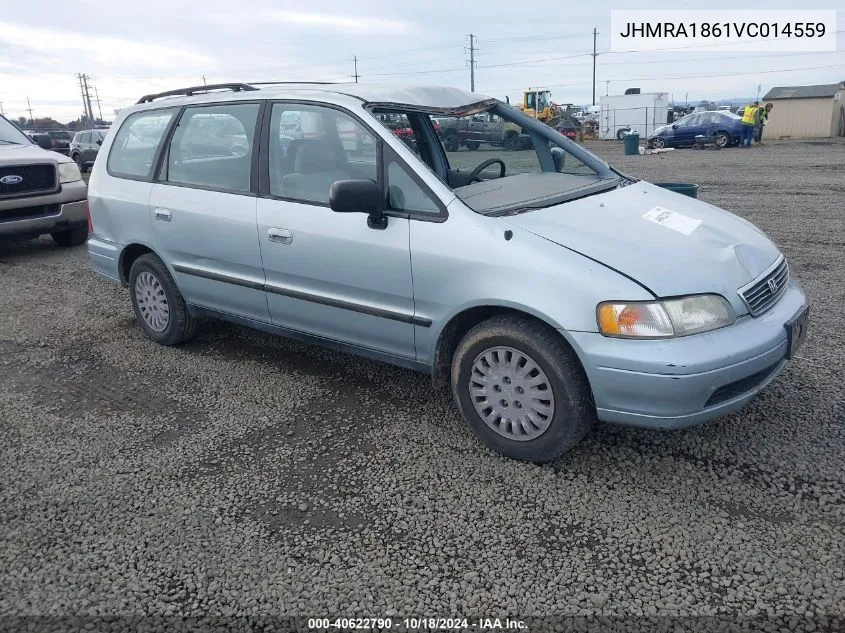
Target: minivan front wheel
x,y
157,302
521,388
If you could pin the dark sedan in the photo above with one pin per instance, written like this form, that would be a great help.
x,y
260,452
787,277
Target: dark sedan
x,y
724,128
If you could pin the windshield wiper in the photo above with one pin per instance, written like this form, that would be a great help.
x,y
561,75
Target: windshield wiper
x,y
2,140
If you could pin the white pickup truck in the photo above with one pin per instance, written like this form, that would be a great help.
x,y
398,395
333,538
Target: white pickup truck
x,y
40,191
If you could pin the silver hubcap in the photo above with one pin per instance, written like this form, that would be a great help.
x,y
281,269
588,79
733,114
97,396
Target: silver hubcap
x,y
721,140
658,143
511,393
152,301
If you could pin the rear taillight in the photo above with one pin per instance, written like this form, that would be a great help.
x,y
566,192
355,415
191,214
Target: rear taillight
x,y
90,225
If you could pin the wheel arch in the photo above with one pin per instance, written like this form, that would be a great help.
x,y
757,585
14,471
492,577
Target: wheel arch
x,y
463,321
127,257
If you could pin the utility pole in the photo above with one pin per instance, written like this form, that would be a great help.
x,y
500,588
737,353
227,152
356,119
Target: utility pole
x,y
607,88
203,81
97,99
355,74
82,92
29,107
472,50
595,34
89,110
1,109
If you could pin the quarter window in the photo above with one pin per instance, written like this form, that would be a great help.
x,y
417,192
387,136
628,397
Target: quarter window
x,y
134,148
404,194
311,147
212,147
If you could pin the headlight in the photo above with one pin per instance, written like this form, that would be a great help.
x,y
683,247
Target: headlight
x,y
69,172
666,318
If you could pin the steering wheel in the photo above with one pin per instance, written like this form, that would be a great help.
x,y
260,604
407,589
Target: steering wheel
x,y
490,161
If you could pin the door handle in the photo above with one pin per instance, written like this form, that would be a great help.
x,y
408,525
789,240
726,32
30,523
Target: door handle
x,y
163,214
282,236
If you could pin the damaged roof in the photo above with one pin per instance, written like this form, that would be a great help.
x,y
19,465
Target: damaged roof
x,y
422,97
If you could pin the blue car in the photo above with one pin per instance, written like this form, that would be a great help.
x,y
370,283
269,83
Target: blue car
x,y
724,127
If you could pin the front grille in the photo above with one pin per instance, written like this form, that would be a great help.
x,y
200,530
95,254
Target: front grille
x,y
739,387
28,213
763,293
33,179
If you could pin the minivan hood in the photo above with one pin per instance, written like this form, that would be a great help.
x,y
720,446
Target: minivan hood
x,y
694,248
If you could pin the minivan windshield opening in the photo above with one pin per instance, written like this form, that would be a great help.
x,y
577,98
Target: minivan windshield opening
x,y
499,161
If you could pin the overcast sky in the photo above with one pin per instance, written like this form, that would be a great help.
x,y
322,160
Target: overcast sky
x,y
138,47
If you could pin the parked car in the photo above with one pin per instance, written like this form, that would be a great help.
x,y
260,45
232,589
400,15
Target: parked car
x,y
568,128
546,293
487,128
85,146
61,141
40,191
725,129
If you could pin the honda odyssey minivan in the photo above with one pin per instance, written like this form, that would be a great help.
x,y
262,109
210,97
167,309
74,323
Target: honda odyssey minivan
x,y
546,288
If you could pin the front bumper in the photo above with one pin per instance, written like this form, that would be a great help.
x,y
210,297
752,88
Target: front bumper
x,y
686,381
65,209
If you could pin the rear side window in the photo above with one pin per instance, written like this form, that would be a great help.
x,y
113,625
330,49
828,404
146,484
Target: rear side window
x,y
134,148
212,147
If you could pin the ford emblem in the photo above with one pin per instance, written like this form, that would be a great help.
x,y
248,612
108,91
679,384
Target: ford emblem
x,y
11,179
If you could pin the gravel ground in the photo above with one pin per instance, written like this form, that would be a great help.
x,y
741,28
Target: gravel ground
x,y
245,475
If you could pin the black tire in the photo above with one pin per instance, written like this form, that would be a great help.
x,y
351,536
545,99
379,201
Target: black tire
x,y
71,237
181,326
452,143
473,145
620,133
574,411
79,163
513,142
723,139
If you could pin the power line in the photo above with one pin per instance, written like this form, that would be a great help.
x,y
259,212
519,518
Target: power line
x,y
655,78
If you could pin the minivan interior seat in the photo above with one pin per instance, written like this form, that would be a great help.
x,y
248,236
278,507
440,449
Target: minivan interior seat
x,y
316,167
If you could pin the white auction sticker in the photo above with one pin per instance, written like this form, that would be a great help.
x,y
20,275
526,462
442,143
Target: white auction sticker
x,y
672,220
757,30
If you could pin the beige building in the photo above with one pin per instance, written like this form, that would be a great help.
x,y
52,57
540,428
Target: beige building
x,y
806,111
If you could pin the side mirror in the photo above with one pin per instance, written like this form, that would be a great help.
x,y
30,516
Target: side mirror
x,y
358,196
43,141
99,141
559,157
675,126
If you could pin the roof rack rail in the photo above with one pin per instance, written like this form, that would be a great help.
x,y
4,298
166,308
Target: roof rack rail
x,y
307,83
188,92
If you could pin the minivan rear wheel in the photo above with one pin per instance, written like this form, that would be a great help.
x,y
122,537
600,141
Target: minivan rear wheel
x,y
521,388
159,307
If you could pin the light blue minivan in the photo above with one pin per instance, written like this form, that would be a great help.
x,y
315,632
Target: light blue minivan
x,y
547,288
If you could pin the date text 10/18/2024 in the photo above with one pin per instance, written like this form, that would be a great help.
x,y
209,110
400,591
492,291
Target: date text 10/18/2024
x,y
417,624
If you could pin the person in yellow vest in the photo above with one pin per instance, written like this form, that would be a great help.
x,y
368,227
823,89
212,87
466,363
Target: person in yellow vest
x,y
749,123
763,114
